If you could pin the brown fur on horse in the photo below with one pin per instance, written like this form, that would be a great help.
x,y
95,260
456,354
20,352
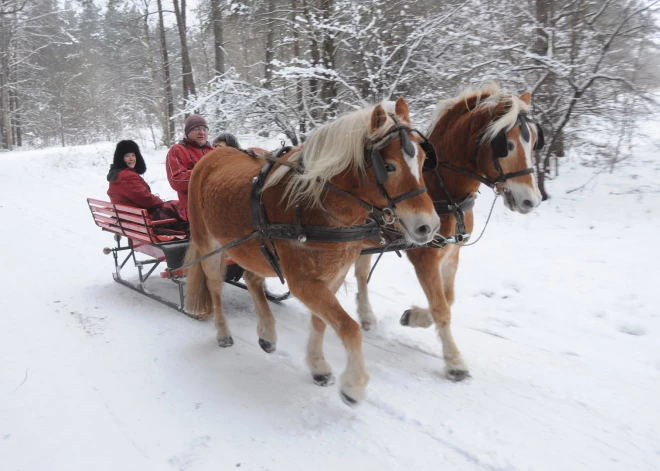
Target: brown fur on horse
x,y
455,134
220,212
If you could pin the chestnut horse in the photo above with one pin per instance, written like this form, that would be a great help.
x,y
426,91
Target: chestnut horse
x,y
480,136
334,157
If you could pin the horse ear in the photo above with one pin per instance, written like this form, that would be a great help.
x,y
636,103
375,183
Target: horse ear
x,y
526,97
401,110
378,118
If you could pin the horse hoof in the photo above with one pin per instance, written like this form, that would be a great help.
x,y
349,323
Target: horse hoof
x,y
458,375
267,346
324,380
349,401
225,342
366,325
405,318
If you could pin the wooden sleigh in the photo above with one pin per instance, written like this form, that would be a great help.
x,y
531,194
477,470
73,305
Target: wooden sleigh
x,y
145,237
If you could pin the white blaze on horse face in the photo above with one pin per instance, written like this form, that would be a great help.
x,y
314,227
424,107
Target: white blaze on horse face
x,y
523,198
412,161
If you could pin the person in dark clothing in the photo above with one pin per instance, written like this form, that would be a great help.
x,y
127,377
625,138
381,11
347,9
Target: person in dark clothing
x,y
226,139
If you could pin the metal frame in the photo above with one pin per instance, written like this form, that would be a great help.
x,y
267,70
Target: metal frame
x,y
179,280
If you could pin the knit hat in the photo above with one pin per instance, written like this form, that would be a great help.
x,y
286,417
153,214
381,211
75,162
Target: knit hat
x,y
193,121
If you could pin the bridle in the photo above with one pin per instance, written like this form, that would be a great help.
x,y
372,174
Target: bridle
x,y
499,148
374,160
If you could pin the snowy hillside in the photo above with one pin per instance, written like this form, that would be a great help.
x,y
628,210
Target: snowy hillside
x,y
557,314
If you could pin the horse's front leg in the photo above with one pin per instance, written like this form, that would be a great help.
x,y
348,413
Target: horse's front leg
x,y
320,299
365,312
427,267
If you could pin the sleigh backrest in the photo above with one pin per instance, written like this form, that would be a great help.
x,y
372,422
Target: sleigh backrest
x,y
129,221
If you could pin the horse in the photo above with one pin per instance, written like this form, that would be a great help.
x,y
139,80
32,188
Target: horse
x,y
481,136
344,172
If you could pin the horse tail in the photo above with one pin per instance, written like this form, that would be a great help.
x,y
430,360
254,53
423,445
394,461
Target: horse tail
x,y
198,296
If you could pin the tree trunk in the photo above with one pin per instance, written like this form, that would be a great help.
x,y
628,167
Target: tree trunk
x,y
216,17
316,56
540,47
161,112
299,84
270,47
169,136
186,67
329,88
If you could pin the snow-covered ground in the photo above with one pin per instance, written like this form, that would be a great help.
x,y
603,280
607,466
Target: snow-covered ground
x,y
557,314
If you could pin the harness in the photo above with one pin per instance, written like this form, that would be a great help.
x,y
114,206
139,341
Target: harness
x,y
373,229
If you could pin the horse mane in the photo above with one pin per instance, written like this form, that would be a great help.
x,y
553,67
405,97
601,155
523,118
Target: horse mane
x,y
329,150
484,99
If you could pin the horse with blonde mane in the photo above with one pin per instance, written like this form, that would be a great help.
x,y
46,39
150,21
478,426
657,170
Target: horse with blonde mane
x,y
346,169
481,136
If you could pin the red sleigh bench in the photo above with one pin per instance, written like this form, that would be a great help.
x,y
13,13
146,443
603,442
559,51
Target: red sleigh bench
x,y
141,234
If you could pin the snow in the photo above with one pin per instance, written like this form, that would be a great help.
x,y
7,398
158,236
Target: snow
x,y
556,314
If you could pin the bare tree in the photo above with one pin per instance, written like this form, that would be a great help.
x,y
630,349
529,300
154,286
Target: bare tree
x,y
186,67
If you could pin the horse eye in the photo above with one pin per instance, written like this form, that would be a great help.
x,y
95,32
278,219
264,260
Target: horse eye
x,y
390,168
510,146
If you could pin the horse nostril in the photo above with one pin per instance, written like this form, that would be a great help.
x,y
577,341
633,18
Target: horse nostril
x,y
423,230
528,203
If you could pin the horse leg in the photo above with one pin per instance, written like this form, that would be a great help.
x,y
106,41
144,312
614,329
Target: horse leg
x,y
320,299
214,269
448,267
427,268
365,312
266,321
321,371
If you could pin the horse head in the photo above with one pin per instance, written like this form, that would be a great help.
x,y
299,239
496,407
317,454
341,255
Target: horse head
x,y
395,156
505,153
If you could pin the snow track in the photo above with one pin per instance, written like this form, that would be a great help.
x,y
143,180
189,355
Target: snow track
x,y
556,314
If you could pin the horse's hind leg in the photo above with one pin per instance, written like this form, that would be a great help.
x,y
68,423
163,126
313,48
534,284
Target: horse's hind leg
x,y
266,321
427,267
365,312
214,269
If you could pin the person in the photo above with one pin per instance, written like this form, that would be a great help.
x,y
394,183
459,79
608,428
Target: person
x,y
226,139
126,186
183,156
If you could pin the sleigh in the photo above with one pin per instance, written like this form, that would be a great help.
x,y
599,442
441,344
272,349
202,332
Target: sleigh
x,y
149,246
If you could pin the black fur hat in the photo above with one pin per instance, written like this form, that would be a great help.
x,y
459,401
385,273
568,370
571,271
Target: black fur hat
x,y
123,148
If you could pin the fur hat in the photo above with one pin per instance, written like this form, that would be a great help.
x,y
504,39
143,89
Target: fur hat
x,y
123,148
228,138
193,121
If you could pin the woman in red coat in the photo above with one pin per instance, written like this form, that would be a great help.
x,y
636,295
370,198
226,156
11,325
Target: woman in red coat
x,y
126,184
128,187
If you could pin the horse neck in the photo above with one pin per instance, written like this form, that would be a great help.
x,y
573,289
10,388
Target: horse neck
x,y
344,208
455,141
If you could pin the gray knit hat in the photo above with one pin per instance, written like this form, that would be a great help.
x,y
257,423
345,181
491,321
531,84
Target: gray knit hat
x,y
193,121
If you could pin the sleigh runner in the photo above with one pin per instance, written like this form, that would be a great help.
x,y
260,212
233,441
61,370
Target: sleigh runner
x,y
137,235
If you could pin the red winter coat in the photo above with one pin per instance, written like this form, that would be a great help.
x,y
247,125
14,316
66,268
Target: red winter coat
x,y
180,161
130,188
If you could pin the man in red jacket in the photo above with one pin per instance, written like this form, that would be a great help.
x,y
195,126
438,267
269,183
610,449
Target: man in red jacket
x,y
183,156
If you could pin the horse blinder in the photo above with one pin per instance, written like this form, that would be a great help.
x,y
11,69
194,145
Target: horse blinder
x,y
431,160
379,167
499,145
